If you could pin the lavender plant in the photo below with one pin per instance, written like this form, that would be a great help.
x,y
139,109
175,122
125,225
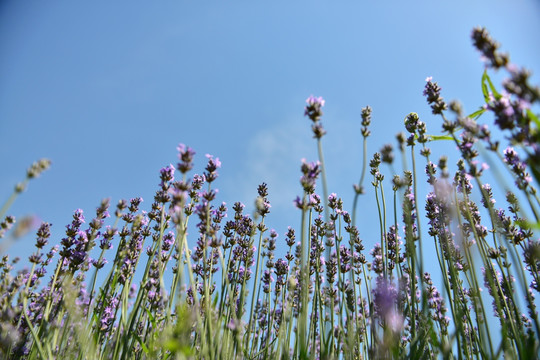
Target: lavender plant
x,y
230,297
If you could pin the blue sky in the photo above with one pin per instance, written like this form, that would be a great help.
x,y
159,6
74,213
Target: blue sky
x,y
107,90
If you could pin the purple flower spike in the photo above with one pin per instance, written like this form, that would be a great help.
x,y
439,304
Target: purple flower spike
x,y
185,154
310,173
489,49
43,234
211,168
313,108
432,92
384,301
166,175
312,100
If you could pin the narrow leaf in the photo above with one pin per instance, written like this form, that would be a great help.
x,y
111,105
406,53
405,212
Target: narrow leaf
x,y
475,115
439,137
485,88
533,117
492,87
143,346
152,318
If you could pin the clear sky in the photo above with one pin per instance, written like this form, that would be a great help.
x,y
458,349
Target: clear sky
x,y
107,90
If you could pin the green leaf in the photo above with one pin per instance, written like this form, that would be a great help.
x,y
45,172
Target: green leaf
x,y
485,88
486,82
176,347
475,115
492,87
533,117
439,137
528,225
143,345
151,316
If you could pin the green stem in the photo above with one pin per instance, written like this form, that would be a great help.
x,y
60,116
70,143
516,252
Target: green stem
x,y
304,272
256,280
360,182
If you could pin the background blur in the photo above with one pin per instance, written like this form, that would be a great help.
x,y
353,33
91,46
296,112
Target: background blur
x,y
107,90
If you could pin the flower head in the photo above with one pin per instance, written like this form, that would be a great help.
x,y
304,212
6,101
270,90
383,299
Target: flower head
x,y
432,92
185,154
313,108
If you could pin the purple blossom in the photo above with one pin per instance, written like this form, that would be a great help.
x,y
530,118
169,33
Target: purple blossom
x,y
43,233
344,259
384,303
432,92
313,108
168,241
267,280
488,193
99,263
411,122
290,237
310,171
134,204
185,154
488,47
377,264
6,224
282,267
506,112
518,167
108,315
518,84
500,287
436,303
106,239
166,175
331,269
211,168
102,212
263,206
197,182
366,120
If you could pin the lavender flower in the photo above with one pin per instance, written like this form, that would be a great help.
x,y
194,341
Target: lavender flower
x,y
166,176
37,168
377,264
488,47
72,230
432,92
387,154
267,279
211,168
436,303
106,240
310,173
366,121
43,234
102,213
501,289
412,122
384,304
313,108
185,154
518,84
6,225
262,203
108,315
282,267
531,255
518,167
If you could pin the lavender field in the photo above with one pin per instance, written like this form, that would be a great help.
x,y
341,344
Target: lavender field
x,y
433,252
